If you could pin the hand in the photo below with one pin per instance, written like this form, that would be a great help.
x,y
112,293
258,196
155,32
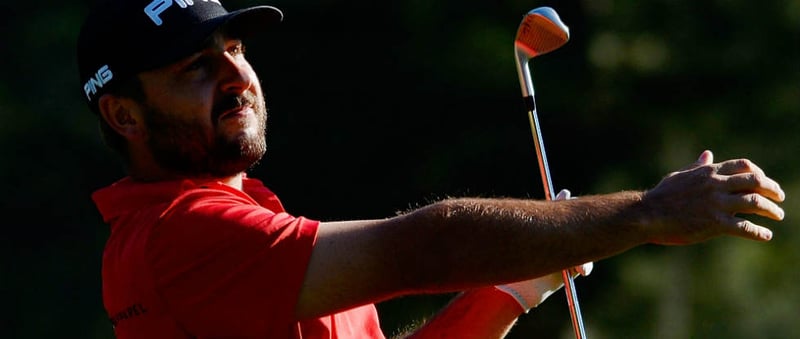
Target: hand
x,y
531,293
705,199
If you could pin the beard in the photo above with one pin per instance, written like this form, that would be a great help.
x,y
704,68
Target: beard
x,y
185,147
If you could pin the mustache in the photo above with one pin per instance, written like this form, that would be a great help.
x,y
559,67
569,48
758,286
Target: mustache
x,y
230,102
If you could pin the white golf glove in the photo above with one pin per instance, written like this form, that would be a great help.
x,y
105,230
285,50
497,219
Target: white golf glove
x,y
531,293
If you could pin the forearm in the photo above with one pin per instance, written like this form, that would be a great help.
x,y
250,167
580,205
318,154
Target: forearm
x,y
482,313
486,241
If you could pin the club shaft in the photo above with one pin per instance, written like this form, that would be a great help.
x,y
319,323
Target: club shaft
x,y
544,170
569,284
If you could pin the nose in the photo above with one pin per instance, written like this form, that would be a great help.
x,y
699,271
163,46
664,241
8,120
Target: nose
x,y
236,75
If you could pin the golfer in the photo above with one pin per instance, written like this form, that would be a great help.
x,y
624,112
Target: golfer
x,y
198,249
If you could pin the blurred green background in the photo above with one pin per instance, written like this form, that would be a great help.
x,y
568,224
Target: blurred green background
x,y
379,106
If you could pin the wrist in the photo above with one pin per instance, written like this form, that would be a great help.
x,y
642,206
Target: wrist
x,y
644,220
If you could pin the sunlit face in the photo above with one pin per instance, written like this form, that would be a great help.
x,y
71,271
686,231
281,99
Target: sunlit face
x,y
205,115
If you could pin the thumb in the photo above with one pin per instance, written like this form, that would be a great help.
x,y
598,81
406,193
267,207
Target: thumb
x,y
706,158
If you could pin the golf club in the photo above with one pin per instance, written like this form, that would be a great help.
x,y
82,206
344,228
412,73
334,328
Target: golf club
x,y
540,32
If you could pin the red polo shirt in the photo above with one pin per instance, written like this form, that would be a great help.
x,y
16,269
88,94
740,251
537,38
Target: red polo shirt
x,y
205,260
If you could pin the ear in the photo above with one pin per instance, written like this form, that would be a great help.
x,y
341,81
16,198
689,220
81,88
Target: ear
x,y
122,114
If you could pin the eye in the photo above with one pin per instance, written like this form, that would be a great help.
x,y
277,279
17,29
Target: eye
x,y
197,64
236,49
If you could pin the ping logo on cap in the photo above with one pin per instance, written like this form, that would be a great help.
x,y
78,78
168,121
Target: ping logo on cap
x,y
157,7
98,80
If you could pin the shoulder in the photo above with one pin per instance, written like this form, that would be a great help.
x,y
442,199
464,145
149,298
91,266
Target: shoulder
x,y
216,207
217,221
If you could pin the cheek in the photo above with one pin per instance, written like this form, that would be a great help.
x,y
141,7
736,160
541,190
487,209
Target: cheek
x,y
189,105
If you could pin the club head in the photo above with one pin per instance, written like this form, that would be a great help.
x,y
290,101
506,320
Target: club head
x,y
540,32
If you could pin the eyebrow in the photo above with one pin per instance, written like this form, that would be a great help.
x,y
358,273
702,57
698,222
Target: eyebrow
x,y
208,43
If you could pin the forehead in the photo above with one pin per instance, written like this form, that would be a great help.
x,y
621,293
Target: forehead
x,y
174,77
218,41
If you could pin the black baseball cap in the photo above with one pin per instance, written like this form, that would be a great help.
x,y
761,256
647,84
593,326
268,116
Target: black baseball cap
x,y
121,38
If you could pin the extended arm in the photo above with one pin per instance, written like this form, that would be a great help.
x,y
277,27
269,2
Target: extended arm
x,y
460,244
467,243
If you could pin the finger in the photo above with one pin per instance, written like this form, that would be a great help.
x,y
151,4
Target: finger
x,y
735,166
748,230
756,183
705,158
753,203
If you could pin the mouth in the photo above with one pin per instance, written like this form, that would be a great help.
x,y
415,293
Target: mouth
x,y
236,112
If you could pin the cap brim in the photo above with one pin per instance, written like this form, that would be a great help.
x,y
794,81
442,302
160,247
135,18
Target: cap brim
x,y
242,23
249,21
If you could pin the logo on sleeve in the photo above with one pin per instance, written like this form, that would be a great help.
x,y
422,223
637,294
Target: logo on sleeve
x,y
129,312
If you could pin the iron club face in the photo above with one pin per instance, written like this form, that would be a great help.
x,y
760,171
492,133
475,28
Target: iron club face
x,y
540,32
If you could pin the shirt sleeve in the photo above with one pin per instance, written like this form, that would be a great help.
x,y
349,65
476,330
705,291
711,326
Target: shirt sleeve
x,y
226,266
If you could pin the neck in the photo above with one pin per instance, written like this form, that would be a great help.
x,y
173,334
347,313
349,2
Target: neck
x,y
233,181
159,174
142,167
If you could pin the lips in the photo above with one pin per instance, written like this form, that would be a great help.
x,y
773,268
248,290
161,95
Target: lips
x,y
235,112
233,105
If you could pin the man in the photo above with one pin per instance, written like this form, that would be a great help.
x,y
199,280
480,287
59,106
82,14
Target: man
x,y
200,250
